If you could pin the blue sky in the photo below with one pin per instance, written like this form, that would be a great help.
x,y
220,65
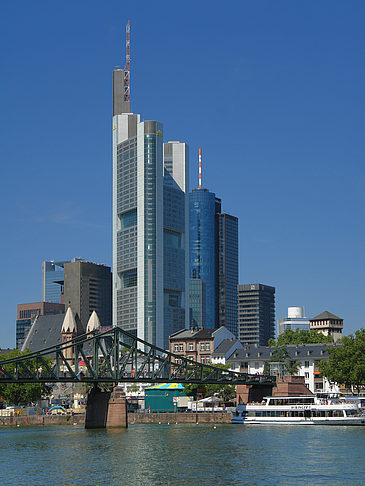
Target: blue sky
x,y
272,91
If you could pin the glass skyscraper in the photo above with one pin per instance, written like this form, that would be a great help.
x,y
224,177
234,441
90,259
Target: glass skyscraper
x,y
203,248
214,258
52,281
150,225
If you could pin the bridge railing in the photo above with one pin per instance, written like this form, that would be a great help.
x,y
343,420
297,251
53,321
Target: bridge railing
x,y
116,356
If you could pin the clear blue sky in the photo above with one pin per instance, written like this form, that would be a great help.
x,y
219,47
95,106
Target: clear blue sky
x,y
272,91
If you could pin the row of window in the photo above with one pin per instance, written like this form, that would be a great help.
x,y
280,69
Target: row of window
x,y
180,347
203,359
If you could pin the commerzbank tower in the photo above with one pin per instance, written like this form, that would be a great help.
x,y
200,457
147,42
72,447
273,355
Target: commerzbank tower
x,y
150,221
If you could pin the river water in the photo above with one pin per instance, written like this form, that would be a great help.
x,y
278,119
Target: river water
x,y
186,454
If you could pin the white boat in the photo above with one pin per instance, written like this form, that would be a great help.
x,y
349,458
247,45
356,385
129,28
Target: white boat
x,y
301,410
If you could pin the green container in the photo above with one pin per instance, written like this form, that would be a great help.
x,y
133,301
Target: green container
x,y
160,398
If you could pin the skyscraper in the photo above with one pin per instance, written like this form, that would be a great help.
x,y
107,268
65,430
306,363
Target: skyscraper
x,y
227,271
214,256
198,305
204,207
150,232
52,278
256,313
87,289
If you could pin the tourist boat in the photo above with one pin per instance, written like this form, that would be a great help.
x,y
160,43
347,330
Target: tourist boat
x,y
301,410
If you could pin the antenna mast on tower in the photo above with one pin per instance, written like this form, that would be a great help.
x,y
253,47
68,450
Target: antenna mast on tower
x,y
127,68
200,168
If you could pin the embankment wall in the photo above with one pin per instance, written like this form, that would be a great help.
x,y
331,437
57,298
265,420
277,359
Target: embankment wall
x,y
133,418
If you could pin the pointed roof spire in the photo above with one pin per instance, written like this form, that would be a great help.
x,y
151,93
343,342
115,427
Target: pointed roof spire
x,y
93,323
69,323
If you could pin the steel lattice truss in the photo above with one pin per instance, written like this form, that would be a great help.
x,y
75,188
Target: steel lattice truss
x,y
116,356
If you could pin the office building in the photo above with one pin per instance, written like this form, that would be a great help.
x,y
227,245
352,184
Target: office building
x,y
28,313
214,256
256,313
295,320
52,281
204,210
197,303
150,230
227,271
88,288
328,324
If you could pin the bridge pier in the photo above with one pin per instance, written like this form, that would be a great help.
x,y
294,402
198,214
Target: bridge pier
x,y
106,409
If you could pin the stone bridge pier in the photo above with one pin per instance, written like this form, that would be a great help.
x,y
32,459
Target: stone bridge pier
x,y
106,409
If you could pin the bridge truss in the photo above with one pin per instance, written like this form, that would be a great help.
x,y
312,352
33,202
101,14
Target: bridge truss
x,y
116,356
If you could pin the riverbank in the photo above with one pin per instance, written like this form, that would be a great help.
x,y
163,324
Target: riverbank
x,y
180,418
133,418
36,420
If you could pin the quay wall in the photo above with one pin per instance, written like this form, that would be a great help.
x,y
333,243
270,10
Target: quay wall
x,y
133,418
180,418
30,420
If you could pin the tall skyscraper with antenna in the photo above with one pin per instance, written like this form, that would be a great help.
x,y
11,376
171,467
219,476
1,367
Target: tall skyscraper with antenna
x,y
213,259
150,215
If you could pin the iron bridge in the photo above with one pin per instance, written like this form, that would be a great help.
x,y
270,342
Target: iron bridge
x,y
116,356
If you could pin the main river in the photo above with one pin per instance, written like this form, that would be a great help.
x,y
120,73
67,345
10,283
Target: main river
x,y
183,455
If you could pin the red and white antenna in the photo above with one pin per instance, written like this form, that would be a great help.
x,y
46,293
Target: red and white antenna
x,y
127,68
200,168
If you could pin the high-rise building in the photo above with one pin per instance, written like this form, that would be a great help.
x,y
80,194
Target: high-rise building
x,y
52,281
204,210
214,256
256,313
197,303
27,313
295,320
227,271
150,230
87,289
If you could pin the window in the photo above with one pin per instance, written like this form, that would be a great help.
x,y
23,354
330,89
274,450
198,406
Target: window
x,y
181,347
306,364
306,374
191,347
176,347
202,359
207,360
129,279
207,347
172,239
202,347
128,219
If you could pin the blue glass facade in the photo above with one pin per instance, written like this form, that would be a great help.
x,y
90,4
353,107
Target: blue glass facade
x,y
52,272
203,250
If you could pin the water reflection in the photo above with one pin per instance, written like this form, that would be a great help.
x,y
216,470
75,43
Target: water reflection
x,y
183,455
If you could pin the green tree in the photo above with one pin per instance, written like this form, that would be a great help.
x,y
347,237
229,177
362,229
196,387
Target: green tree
x,y
281,354
346,363
300,336
22,393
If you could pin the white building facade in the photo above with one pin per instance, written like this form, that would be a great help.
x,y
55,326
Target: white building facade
x,y
251,359
295,320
